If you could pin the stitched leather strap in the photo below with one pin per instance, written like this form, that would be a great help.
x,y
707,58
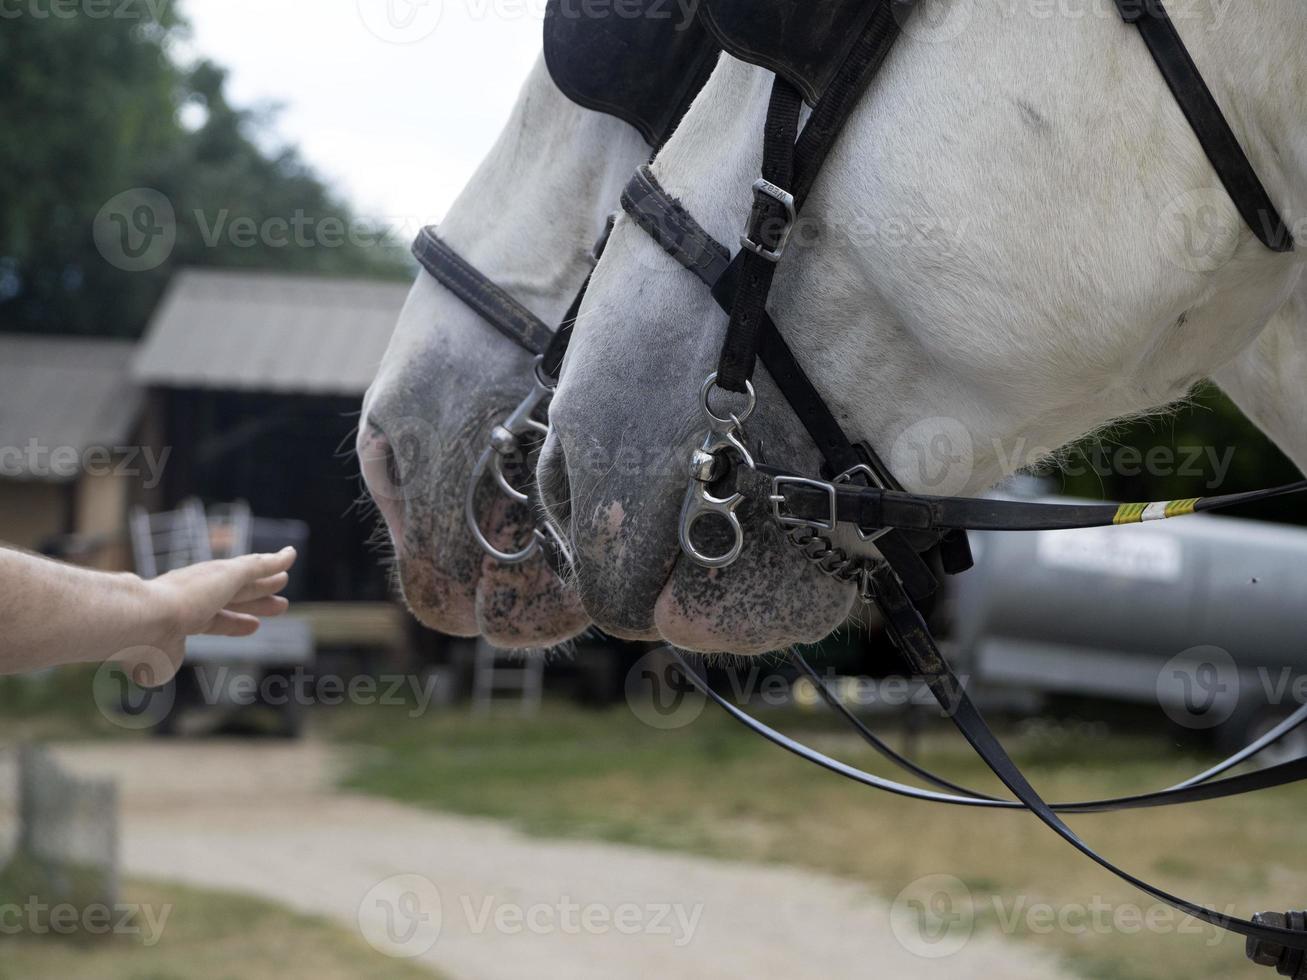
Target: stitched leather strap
x,y
667,221
872,507
494,304
914,640
1209,124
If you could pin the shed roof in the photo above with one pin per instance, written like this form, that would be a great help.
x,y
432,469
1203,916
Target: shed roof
x,y
258,331
65,394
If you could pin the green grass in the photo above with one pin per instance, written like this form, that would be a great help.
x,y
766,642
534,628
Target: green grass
x,y
205,935
56,704
714,789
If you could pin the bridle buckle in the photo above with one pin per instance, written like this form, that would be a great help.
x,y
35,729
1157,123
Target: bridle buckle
x,y
787,519
870,479
765,188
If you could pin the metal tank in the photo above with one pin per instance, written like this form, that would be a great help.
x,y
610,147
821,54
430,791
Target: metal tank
x,y
1195,611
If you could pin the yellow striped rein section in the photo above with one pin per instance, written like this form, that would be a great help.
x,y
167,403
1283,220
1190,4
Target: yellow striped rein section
x,y
1157,511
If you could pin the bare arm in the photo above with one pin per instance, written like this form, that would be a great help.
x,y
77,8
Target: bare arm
x,y
53,614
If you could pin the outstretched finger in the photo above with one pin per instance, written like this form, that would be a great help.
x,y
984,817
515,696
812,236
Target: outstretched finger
x,y
273,605
263,566
262,588
232,624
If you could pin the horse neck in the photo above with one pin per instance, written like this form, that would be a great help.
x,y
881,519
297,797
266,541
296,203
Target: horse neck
x,y
1265,381
1250,51
533,210
1006,366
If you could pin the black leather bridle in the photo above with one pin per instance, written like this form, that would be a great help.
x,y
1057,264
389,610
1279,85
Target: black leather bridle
x,y
856,489
514,441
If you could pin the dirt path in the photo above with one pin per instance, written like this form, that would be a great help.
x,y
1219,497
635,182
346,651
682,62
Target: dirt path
x,y
265,820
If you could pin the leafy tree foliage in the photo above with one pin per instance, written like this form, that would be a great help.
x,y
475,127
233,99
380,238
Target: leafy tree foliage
x,y
93,108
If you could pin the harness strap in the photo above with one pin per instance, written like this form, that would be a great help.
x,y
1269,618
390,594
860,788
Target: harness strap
x,y
790,169
764,243
669,224
799,501
551,363
1209,124
916,643
1198,790
492,302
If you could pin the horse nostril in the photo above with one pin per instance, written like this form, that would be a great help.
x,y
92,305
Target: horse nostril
x,y
551,477
379,463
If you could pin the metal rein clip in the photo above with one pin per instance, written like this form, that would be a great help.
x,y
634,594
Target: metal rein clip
x,y
710,463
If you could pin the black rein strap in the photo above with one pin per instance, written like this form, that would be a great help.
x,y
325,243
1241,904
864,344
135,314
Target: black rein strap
x,y
747,281
1209,124
492,302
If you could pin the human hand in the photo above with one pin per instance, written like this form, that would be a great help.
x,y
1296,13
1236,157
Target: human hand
x,y
216,598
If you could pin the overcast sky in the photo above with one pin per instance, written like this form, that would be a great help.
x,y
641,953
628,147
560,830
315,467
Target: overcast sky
x,y
394,102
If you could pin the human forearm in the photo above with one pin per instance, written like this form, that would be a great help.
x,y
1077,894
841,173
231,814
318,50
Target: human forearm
x,y
53,614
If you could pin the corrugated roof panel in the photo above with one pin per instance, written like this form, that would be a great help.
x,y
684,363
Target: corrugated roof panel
x,y
269,332
62,393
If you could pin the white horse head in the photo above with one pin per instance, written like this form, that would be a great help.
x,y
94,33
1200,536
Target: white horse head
x,y
999,258
528,220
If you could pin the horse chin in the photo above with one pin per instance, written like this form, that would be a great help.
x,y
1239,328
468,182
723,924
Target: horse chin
x,y
439,600
526,607
696,613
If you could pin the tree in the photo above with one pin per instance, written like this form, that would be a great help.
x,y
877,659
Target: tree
x,y
104,193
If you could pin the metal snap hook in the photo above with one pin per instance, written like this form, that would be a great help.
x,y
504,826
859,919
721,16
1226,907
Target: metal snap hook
x,y
700,504
710,463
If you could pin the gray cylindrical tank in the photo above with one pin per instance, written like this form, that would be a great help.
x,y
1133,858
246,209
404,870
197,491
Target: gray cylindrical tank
x,y
1153,590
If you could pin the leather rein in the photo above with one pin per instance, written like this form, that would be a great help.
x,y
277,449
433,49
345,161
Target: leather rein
x,y
856,488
